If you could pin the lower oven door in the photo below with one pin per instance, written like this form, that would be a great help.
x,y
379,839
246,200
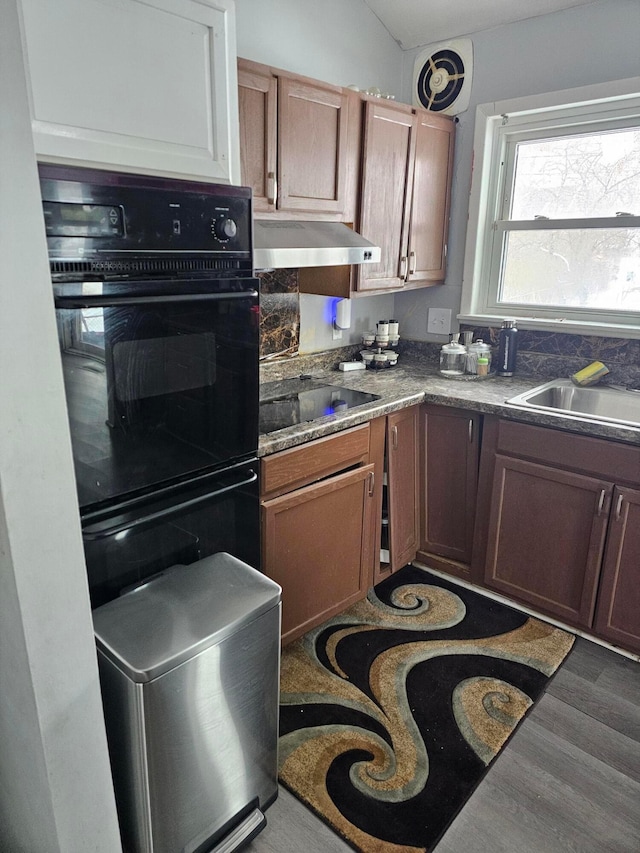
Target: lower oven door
x,y
128,544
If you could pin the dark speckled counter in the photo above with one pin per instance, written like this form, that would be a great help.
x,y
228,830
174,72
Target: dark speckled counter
x,y
416,382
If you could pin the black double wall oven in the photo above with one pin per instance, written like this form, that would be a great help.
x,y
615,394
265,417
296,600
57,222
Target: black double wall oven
x,y
158,322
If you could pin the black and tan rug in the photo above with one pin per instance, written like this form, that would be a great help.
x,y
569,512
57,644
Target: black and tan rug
x,y
392,712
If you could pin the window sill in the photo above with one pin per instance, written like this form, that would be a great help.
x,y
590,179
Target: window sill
x,y
571,327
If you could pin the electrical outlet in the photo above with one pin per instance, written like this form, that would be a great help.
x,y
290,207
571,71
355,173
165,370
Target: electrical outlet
x,y
337,333
439,321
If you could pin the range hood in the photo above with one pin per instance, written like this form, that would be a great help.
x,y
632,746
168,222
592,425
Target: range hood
x,y
282,243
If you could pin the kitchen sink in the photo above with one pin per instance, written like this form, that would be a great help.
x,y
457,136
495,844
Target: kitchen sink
x,y
597,403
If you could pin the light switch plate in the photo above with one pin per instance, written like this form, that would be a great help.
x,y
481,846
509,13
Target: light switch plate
x,y
439,321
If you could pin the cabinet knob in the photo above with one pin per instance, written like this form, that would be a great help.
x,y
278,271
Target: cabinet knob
x,y
603,495
394,437
619,507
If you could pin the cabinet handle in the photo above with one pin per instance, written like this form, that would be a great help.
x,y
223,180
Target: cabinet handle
x,y
403,267
273,188
470,430
601,501
412,263
619,507
372,482
394,437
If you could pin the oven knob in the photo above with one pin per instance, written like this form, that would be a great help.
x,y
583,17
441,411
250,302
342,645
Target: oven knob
x,y
224,229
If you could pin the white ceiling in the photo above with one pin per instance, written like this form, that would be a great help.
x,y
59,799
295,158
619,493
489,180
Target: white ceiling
x,y
422,22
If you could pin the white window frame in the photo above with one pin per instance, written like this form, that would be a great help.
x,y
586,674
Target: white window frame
x,y
569,111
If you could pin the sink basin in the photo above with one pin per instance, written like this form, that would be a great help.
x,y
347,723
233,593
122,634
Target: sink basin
x,y
597,403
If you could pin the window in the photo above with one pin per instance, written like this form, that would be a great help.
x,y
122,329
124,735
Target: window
x,y
554,226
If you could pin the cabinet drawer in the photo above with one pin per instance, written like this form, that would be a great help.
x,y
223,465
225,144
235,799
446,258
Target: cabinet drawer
x,y
299,466
615,462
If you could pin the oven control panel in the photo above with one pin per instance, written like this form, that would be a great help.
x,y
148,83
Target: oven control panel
x,y
88,213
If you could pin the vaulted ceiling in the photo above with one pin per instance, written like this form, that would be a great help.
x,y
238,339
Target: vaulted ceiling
x,y
423,22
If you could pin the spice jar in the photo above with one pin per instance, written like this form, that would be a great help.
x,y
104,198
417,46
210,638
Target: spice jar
x,y
482,365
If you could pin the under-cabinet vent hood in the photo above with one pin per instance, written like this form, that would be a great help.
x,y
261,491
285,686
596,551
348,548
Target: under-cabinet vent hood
x,y
280,243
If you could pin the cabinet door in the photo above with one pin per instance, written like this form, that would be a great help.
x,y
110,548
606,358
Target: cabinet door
x,y
430,200
546,537
402,486
257,105
451,447
312,146
618,610
389,151
318,544
144,85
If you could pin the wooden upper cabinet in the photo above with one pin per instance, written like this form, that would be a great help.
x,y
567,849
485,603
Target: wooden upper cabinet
x,y
257,104
429,223
405,195
387,167
312,145
296,142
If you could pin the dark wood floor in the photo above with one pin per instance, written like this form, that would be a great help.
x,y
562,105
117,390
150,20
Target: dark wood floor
x,y
567,782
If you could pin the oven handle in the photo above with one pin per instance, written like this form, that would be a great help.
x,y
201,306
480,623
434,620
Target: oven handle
x,y
98,301
151,517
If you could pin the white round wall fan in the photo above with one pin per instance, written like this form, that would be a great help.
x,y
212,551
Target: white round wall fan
x,y
442,77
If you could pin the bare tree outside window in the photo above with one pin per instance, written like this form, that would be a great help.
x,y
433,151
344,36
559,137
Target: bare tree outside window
x,y
563,257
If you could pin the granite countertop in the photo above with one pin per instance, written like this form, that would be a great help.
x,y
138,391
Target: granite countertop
x,y
415,382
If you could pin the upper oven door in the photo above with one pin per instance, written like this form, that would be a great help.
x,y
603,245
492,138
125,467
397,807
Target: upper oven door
x,y
161,381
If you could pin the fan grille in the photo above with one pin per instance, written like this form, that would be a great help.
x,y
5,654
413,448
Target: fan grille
x,y
440,80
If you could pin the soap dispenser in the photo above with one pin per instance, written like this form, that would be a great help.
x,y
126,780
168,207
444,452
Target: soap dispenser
x,y
453,357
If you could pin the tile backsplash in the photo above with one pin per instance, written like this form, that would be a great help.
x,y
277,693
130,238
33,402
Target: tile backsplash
x,y
553,354
279,313
544,355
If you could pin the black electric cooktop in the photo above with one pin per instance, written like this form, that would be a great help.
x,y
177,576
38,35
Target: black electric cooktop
x,y
297,401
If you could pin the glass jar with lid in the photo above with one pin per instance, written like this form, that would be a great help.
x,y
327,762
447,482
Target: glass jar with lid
x,y
453,358
478,348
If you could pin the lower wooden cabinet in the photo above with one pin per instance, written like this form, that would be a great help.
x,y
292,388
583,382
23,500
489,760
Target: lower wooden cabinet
x,y
618,608
546,518
559,527
318,546
400,492
449,480
318,512
546,537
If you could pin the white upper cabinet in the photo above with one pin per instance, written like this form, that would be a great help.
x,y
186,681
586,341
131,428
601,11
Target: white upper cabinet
x,y
140,85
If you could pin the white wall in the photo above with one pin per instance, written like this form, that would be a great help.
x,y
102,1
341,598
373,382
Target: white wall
x,y
55,783
340,42
316,318
576,47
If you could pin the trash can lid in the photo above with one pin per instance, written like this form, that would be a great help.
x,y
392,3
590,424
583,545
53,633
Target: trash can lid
x,y
181,612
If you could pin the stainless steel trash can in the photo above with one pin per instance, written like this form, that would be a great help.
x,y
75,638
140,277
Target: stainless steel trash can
x,y
189,669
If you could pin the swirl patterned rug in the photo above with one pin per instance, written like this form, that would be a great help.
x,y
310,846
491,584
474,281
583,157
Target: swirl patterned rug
x,y
391,712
